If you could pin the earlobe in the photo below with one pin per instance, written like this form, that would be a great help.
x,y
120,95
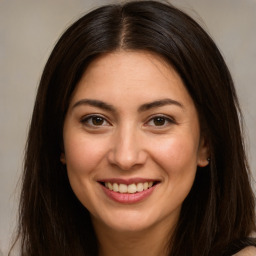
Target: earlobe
x,y
203,153
203,162
63,158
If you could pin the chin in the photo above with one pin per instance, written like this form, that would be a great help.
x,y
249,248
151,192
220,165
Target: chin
x,y
130,220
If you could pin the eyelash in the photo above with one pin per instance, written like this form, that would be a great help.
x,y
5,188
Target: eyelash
x,y
167,121
87,121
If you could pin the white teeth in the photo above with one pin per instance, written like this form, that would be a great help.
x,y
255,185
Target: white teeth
x,y
123,188
131,188
140,187
145,185
115,187
109,185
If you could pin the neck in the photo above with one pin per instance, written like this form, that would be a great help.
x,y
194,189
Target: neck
x,y
151,241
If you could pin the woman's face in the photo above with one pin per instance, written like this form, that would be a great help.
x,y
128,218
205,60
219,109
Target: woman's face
x,y
132,141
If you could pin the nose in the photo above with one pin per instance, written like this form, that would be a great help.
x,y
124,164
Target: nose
x,y
127,151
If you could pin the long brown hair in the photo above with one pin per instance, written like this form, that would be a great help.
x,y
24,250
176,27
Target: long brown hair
x,y
218,215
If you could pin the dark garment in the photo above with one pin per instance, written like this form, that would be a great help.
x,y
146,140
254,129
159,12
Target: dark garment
x,y
239,245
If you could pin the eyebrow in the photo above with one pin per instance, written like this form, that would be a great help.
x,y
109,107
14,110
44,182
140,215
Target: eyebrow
x,y
147,106
95,103
159,103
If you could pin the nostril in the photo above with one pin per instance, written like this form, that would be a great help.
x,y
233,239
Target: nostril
x,y
127,155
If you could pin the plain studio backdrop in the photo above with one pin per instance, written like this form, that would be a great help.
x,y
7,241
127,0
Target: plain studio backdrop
x,y
28,31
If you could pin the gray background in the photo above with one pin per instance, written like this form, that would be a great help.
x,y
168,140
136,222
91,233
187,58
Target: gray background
x,y
28,31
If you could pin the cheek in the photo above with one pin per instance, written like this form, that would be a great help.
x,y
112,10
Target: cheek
x,y
177,155
178,160
83,155
82,159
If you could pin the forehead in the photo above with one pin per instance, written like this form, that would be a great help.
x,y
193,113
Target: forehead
x,y
133,65
129,76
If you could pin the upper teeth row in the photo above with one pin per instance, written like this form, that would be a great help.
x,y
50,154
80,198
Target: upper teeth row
x,y
131,188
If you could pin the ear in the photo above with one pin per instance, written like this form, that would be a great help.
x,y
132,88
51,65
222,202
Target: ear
x,y
63,158
203,155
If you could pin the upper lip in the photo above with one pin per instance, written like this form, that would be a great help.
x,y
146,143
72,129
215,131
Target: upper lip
x,y
127,181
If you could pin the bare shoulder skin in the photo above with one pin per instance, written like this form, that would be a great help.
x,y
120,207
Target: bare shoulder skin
x,y
248,251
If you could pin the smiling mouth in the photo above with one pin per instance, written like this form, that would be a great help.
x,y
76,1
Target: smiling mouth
x,y
129,188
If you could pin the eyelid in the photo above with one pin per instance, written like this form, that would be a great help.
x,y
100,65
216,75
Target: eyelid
x,y
168,118
84,120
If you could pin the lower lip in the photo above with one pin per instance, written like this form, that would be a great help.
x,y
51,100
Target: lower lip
x,y
126,198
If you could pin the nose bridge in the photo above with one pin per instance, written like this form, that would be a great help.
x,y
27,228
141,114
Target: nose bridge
x,y
127,149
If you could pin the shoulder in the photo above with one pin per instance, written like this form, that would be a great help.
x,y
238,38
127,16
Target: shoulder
x,y
248,251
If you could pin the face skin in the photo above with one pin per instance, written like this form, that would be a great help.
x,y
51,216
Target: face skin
x,y
126,137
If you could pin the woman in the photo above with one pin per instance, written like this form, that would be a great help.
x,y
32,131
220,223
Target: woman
x,y
135,144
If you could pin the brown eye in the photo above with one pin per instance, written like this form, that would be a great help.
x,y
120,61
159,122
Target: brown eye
x,y
159,121
94,121
97,120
